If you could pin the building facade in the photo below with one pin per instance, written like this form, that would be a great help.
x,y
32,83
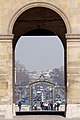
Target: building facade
x,y
13,25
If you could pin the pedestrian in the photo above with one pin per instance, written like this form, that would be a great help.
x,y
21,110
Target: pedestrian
x,y
57,105
51,105
42,105
35,106
19,105
46,105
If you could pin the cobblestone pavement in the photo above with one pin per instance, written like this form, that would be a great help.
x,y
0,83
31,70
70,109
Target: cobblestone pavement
x,y
40,117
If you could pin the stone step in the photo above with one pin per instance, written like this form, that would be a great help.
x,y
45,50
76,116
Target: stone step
x,y
39,117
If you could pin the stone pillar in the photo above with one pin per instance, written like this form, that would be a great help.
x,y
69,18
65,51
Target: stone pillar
x,y
73,76
6,76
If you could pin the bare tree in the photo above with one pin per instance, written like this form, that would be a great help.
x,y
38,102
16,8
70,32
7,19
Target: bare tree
x,y
22,75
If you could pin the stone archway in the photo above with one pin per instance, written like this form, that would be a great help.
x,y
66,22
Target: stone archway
x,y
12,30
39,4
45,19
70,16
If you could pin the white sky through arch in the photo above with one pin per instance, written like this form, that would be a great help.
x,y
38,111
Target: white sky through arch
x,y
40,52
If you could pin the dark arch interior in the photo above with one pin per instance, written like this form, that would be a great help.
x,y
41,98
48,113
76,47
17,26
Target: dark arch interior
x,y
39,21
39,32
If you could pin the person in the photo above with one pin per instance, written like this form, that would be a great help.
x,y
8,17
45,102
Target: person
x,y
51,105
42,105
19,105
46,106
35,106
57,105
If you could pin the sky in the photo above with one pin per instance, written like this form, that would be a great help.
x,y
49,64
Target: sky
x,y
40,52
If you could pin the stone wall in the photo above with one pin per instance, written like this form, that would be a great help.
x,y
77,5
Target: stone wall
x,y
6,74
73,75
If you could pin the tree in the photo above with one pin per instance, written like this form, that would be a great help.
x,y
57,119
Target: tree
x,y
22,75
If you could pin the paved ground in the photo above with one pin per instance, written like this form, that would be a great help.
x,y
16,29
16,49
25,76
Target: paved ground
x,y
40,117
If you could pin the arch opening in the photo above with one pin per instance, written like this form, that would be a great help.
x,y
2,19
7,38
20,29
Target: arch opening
x,y
47,23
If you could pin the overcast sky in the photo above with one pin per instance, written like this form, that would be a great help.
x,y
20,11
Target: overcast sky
x,y
40,52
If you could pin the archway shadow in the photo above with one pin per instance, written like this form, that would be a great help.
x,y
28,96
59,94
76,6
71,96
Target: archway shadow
x,y
60,113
